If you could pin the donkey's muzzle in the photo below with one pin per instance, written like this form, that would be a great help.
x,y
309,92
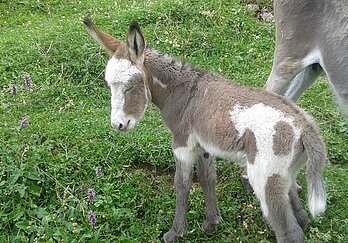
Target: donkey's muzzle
x,y
121,125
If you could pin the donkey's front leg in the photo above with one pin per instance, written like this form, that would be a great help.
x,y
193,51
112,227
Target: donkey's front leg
x,y
207,178
182,182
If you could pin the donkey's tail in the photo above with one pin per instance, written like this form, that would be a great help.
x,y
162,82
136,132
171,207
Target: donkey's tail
x,y
316,153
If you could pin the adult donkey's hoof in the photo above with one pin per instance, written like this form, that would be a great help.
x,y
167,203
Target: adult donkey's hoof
x,y
208,228
170,236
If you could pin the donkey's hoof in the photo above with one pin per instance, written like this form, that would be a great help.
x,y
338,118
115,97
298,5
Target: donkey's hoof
x,y
170,236
208,228
295,235
246,184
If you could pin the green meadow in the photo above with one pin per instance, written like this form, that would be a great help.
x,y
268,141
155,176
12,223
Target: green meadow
x,y
48,161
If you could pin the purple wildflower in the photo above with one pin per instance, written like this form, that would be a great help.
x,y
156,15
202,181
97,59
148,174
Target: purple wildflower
x,y
27,82
24,122
90,194
14,90
92,219
98,171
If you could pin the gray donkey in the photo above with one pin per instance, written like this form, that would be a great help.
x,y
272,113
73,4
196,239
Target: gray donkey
x,y
210,117
311,36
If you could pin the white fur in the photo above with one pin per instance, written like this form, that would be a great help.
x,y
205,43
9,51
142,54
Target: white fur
x,y
184,154
158,82
187,155
316,204
120,71
312,57
261,119
117,114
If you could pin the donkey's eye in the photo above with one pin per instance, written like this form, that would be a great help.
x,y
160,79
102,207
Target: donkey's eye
x,y
129,88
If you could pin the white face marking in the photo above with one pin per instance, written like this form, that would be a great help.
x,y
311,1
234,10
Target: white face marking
x,y
158,82
118,73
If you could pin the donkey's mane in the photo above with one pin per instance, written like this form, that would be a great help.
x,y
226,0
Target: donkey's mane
x,y
177,66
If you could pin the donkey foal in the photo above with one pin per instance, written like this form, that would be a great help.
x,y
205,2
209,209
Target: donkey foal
x,y
208,117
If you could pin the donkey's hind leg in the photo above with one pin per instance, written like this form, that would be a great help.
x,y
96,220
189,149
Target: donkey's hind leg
x,y
277,208
207,178
299,212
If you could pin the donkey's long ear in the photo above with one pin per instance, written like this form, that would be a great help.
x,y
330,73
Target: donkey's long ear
x,y
136,43
106,41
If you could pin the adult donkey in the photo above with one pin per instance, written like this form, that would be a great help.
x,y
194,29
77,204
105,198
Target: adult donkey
x,y
209,116
311,36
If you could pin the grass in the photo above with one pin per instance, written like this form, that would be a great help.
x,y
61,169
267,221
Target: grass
x,y
47,167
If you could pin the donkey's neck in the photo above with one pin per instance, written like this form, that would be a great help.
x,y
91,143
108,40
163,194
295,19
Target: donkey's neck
x,y
168,78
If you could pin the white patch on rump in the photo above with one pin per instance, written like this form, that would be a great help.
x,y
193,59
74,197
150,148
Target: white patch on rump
x,y
261,120
120,71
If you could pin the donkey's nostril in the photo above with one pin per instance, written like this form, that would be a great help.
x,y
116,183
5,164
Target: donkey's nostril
x,y
121,124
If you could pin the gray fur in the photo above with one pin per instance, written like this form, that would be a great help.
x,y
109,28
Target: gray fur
x,y
197,107
299,212
302,27
182,183
281,215
283,138
207,178
316,158
249,145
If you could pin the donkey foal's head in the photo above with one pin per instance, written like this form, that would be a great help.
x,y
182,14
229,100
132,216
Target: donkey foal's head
x,y
125,75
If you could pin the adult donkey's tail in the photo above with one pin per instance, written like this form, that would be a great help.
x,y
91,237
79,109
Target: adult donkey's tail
x,y
316,153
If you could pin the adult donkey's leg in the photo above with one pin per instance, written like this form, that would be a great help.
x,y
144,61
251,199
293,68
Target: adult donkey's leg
x,y
336,68
182,182
302,81
207,178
